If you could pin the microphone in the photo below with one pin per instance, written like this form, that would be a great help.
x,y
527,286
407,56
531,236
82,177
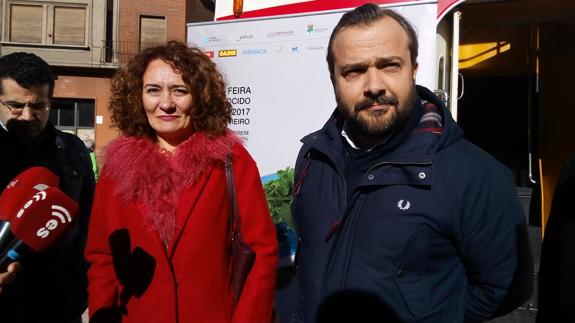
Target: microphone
x,y
17,192
39,223
6,236
23,187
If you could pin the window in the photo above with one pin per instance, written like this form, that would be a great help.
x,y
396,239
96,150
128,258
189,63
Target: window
x,y
26,23
46,23
69,26
75,116
152,31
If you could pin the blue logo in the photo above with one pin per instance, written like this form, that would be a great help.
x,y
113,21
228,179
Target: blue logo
x,y
211,39
254,51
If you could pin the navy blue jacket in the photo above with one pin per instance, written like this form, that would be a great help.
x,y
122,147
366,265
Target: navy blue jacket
x,y
52,286
433,231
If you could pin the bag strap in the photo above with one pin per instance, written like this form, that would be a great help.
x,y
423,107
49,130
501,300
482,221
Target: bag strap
x,y
234,217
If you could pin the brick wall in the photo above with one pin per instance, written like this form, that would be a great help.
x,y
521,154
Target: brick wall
x,y
130,11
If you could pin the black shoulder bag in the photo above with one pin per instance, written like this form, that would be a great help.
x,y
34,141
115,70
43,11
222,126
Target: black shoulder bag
x,y
242,257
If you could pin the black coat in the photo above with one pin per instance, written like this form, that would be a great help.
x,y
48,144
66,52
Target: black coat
x,y
557,271
51,287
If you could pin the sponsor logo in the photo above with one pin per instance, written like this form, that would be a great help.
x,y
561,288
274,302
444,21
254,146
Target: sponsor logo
x,y
311,29
209,53
254,51
212,39
280,50
275,34
227,53
294,49
311,48
244,37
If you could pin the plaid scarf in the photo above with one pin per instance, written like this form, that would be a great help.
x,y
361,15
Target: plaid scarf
x,y
431,121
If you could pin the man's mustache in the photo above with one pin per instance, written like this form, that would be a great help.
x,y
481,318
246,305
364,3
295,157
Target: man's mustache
x,y
380,100
20,126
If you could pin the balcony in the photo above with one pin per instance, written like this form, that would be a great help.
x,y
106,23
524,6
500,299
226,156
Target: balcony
x,y
120,52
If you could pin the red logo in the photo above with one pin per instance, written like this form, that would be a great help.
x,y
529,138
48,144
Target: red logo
x,y
210,54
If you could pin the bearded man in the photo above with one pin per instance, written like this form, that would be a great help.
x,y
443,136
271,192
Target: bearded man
x,y
399,218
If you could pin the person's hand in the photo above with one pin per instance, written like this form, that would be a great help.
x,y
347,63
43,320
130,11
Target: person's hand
x,y
8,277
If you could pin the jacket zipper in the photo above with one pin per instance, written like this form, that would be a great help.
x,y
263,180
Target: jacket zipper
x,y
335,224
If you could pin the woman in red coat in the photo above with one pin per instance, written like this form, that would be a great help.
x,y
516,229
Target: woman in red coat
x,y
158,242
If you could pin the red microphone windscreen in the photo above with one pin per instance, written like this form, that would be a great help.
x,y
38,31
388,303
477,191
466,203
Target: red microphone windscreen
x,y
44,218
22,188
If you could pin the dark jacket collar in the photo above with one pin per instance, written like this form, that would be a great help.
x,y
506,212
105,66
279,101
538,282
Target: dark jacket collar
x,y
48,139
17,157
403,146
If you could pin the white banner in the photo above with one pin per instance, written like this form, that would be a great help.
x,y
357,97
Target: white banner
x,y
277,76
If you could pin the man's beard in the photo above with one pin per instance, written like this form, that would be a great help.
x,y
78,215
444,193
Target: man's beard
x,y
23,131
388,121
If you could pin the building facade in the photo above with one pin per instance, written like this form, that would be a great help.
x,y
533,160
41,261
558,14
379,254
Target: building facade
x,y
70,36
86,41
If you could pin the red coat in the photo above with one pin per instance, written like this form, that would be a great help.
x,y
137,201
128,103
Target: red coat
x,y
178,200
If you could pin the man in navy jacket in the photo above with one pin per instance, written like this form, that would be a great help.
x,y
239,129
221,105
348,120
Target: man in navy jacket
x,y
398,215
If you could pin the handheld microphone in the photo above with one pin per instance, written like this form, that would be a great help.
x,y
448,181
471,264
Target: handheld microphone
x,y
23,187
39,223
6,236
17,192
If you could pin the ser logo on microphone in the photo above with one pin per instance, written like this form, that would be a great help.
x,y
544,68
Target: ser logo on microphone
x,y
59,212
13,183
37,197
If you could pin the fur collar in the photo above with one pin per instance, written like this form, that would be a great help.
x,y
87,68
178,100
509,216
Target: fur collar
x,y
155,178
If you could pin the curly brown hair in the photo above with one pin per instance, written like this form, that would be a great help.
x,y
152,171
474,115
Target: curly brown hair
x,y
212,110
